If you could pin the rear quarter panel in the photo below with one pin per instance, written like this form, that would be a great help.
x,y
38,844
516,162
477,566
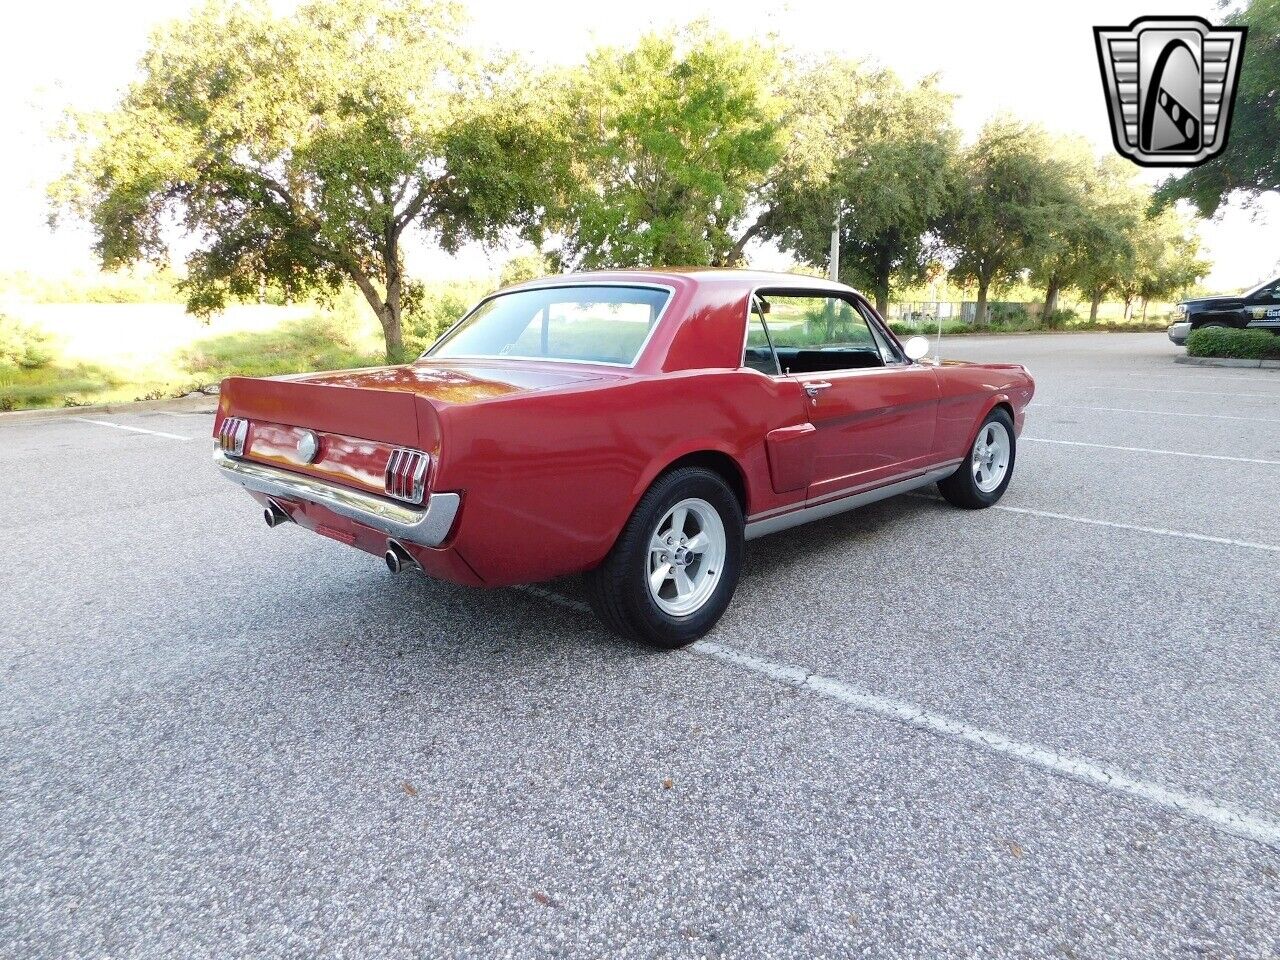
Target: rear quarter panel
x,y
550,478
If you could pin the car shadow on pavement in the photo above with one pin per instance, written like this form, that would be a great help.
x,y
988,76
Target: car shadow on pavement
x,y
363,614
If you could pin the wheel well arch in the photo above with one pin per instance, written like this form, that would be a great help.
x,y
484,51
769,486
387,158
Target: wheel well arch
x,y
717,462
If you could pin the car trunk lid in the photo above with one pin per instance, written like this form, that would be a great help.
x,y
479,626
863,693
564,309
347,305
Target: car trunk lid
x,y
361,417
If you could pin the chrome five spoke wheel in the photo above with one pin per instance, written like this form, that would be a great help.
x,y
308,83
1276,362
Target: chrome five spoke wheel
x,y
990,458
686,556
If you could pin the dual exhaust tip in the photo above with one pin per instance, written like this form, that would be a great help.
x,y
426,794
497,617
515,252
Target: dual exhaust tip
x,y
397,557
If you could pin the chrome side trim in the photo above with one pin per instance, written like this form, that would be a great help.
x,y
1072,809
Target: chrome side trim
x,y
784,521
425,527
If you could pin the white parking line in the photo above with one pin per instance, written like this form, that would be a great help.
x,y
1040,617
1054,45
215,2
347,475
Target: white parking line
x,y
1171,453
1160,531
121,426
1154,413
1137,528
1194,393
1218,815
1262,378
1228,819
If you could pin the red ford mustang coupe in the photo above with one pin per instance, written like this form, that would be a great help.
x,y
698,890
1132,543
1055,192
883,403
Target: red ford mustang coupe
x,y
635,426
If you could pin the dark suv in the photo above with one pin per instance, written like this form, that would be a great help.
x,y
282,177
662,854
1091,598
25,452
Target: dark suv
x,y
1258,308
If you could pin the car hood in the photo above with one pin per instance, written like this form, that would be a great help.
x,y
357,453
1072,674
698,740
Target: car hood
x,y
1217,303
457,381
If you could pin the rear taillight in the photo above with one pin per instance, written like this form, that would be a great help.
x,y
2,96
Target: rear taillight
x,y
231,435
406,475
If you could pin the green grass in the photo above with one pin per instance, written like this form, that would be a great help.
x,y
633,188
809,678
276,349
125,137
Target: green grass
x,y
1233,343
296,346
52,386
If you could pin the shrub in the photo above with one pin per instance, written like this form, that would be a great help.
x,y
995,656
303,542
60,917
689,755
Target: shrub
x,y
1059,319
1234,343
22,345
1007,315
928,328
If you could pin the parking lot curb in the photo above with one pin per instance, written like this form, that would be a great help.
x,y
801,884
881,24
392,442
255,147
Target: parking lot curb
x,y
1228,362
188,404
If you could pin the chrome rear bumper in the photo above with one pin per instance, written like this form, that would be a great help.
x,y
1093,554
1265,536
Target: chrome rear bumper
x,y
426,526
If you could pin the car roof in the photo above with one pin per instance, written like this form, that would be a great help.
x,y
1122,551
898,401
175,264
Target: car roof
x,y
746,279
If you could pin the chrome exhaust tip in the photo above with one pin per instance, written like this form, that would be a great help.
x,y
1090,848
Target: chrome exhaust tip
x,y
398,558
274,514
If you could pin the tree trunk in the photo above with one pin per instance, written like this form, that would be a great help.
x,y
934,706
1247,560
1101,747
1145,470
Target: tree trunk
x,y
1128,308
392,331
882,301
386,309
884,269
980,317
1093,306
735,255
392,328
1050,301
1144,309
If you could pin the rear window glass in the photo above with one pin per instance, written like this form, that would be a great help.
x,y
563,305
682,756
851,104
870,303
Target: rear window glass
x,y
595,324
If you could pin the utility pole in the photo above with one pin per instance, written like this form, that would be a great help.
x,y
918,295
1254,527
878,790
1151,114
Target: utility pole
x,y
833,268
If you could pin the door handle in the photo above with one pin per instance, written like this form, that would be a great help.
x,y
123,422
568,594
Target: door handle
x,y
814,387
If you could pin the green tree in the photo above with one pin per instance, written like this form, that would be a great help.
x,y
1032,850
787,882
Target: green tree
x,y
1169,257
1163,262
873,152
1091,239
296,151
1010,190
525,266
1107,251
672,140
1251,162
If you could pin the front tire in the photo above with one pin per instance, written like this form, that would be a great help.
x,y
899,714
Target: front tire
x,y
984,475
675,566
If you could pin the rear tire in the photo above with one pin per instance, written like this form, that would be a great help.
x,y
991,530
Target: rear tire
x,y
675,566
984,475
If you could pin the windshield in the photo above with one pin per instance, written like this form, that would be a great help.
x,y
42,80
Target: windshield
x,y
594,324
1259,288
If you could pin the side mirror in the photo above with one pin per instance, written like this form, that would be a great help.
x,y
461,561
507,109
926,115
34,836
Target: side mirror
x,y
916,347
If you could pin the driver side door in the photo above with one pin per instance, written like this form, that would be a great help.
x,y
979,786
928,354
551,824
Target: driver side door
x,y
873,410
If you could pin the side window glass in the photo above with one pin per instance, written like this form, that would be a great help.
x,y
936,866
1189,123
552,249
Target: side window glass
x,y
758,354
888,353
817,334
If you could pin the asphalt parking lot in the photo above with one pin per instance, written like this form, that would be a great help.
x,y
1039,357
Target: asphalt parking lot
x,y
1047,729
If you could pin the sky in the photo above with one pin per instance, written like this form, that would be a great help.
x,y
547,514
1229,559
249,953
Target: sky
x,y
1033,59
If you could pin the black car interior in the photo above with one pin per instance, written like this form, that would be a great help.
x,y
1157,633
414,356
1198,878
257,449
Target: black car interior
x,y
802,360
797,360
